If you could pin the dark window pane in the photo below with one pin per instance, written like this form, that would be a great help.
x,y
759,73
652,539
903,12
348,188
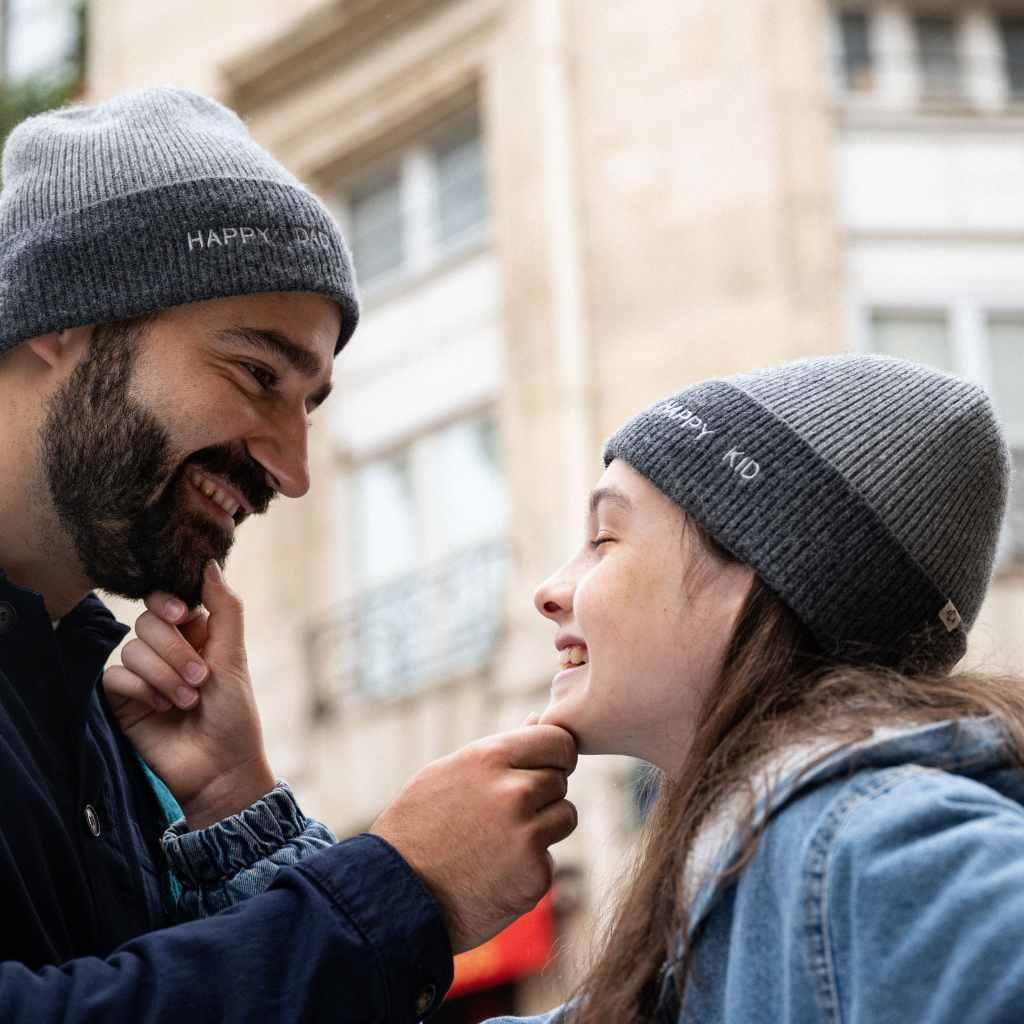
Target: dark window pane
x,y
938,56
853,27
1012,31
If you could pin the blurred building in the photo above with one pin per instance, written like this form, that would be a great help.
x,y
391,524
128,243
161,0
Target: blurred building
x,y
561,210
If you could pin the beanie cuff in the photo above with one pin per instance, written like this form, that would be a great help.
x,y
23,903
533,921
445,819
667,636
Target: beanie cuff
x,y
775,503
187,242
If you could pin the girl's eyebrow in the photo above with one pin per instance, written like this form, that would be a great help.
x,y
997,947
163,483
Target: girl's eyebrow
x,y
612,494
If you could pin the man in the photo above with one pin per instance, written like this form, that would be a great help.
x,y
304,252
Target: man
x,y
171,301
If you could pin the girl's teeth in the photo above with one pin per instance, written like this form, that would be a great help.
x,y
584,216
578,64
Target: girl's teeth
x,y
573,656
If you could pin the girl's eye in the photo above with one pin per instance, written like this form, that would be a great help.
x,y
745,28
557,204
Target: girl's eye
x,y
598,541
264,377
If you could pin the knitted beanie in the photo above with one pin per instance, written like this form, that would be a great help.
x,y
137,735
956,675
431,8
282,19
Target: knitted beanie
x,y
867,492
153,199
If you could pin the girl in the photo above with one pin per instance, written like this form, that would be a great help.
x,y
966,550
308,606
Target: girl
x,y
779,575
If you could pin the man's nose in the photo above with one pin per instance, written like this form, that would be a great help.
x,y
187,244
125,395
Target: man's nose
x,y
282,449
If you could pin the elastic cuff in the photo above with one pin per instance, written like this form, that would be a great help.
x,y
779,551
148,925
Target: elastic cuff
x,y
221,850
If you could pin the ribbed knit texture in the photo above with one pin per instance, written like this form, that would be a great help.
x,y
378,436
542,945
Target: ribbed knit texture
x,y
153,199
867,492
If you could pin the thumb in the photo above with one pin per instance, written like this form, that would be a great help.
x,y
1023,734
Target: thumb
x,y
224,628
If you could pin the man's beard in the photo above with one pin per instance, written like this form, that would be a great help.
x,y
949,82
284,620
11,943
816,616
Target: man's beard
x,y
117,488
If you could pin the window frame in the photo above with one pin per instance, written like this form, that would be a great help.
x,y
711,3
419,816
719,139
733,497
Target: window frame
x,y
967,317
416,161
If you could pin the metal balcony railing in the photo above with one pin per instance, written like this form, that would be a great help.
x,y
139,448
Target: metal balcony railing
x,y
418,630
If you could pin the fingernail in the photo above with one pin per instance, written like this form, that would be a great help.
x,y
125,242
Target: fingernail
x,y
195,672
186,697
175,609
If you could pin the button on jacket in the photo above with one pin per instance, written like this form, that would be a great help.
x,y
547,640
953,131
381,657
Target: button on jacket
x,y
349,933
888,888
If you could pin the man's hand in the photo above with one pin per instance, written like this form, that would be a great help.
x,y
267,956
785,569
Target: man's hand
x,y
476,827
198,730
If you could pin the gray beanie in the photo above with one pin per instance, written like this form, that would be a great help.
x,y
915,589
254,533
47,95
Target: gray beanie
x,y
867,492
150,200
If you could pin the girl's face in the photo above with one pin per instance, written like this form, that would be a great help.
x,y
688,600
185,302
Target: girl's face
x,y
644,618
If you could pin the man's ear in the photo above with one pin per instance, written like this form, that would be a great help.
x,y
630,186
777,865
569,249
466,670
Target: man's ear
x,y
58,347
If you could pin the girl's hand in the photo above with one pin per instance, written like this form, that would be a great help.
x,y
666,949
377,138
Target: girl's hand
x,y
184,698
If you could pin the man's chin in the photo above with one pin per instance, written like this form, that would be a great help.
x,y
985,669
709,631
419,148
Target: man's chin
x,y
187,590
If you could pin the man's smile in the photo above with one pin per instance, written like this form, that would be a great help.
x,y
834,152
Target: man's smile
x,y
219,490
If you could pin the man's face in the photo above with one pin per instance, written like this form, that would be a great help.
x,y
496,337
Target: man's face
x,y
166,436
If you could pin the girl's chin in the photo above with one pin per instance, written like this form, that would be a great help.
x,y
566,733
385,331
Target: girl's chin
x,y
560,713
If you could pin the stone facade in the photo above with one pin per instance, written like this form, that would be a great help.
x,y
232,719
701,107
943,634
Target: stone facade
x,y
664,203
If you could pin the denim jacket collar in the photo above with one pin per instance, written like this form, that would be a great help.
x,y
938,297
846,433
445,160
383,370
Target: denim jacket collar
x,y
957,744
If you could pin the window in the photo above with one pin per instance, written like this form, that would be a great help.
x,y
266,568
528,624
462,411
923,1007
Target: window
x,y
375,226
996,360
385,519
431,200
461,188
37,37
857,63
921,336
429,557
1012,32
938,57
1006,341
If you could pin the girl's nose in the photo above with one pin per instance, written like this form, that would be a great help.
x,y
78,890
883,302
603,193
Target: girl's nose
x,y
553,598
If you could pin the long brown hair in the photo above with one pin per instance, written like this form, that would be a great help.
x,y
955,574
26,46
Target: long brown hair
x,y
775,689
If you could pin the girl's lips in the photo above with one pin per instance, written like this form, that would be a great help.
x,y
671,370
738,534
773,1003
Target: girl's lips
x,y
566,673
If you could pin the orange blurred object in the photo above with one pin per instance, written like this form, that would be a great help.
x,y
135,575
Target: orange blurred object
x,y
524,947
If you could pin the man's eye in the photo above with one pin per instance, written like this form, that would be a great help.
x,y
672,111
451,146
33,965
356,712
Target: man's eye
x,y
266,379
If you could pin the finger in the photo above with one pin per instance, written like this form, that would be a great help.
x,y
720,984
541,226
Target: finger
x,y
544,786
170,608
195,629
168,644
120,686
541,746
225,625
138,657
531,719
556,822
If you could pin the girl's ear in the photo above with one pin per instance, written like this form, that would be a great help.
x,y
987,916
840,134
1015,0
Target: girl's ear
x,y
58,347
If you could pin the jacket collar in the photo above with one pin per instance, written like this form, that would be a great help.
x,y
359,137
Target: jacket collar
x,y
958,745
56,670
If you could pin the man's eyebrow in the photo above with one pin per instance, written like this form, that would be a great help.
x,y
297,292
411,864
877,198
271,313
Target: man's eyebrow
x,y
278,344
612,494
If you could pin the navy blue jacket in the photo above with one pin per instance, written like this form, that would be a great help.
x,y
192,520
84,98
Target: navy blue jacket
x,y
88,932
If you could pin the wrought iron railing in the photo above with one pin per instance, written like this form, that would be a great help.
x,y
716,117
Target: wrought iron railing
x,y
418,630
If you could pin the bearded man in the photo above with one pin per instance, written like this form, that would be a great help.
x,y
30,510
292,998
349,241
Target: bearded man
x,y
171,302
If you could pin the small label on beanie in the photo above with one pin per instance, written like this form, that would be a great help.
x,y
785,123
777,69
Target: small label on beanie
x,y
250,234
950,616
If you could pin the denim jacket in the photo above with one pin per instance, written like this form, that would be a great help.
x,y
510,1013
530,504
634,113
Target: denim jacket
x,y
888,886
216,867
